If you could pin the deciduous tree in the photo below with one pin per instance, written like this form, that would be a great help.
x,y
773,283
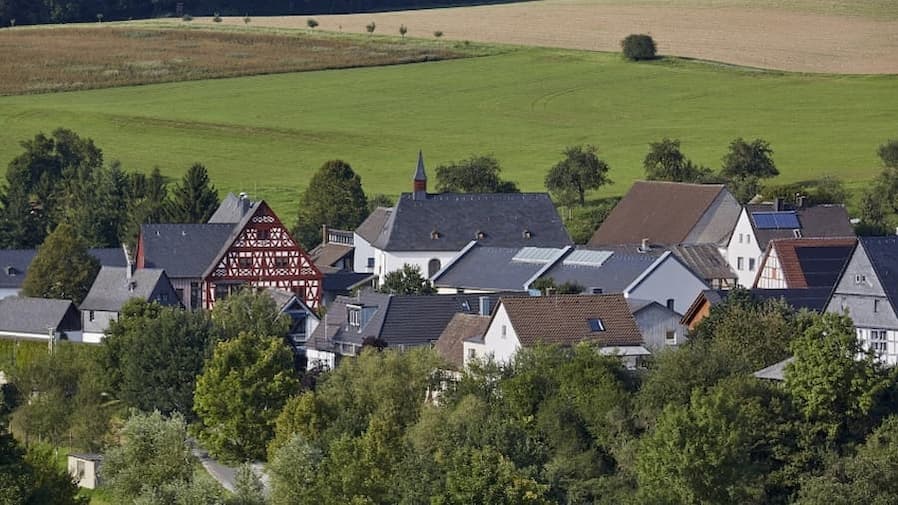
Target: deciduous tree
x,y
746,159
334,198
665,162
407,281
477,174
888,153
580,170
62,267
250,311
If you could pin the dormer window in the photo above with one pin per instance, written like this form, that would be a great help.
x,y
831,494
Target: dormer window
x,y
796,233
596,324
480,235
354,316
434,235
10,271
527,234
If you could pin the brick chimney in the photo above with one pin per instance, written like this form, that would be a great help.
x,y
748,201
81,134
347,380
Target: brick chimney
x,y
420,184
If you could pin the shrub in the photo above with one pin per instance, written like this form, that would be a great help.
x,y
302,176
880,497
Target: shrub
x,y
246,20
370,27
402,30
311,23
438,34
217,18
638,47
187,17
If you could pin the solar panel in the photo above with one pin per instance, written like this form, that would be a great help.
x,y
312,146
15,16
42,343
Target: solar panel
x,y
582,257
535,254
775,220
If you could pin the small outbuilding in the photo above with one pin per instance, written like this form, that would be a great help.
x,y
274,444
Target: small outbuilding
x,y
85,469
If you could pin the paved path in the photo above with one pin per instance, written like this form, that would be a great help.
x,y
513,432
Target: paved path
x,y
224,474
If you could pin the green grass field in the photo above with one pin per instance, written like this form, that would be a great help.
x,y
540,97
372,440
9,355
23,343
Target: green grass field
x,y
266,134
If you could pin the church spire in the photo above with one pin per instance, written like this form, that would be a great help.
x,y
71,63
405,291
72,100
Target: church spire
x,y
420,183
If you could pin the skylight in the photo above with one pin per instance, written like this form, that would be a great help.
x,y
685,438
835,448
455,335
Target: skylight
x,y
583,257
536,254
596,324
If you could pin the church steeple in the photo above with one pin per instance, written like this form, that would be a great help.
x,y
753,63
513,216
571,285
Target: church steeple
x,y
420,183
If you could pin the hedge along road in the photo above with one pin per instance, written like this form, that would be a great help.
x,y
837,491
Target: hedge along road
x,y
266,134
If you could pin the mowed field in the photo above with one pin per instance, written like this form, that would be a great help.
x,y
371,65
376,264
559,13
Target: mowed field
x,y
828,36
266,134
35,60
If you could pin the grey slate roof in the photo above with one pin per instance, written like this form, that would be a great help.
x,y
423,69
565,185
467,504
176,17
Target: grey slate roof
x,y
110,290
815,221
372,227
14,263
342,281
615,274
775,372
231,210
488,268
183,250
406,320
883,255
505,219
704,260
36,315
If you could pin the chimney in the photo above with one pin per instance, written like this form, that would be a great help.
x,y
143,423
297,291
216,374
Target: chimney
x,y
777,204
485,306
420,184
800,201
644,247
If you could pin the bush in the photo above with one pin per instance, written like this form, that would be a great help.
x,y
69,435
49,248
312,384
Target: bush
x,y
311,23
246,20
370,27
217,18
187,17
438,33
638,47
403,30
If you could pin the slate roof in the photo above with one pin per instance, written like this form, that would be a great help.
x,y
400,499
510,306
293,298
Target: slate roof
x,y
451,344
615,274
564,320
342,281
490,269
397,319
231,210
811,262
14,263
815,221
663,212
183,250
813,299
775,372
373,225
110,290
36,315
505,219
704,260
325,255
883,255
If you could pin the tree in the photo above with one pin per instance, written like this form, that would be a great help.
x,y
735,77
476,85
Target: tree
x,y
248,488
294,471
665,162
33,477
547,285
749,159
94,204
240,394
638,47
407,281
485,476
195,199
370,27
62,268
311,23
334,198
146,198
153,354
888,153
402,30
579,171
252,312
153,458
833,380
477,174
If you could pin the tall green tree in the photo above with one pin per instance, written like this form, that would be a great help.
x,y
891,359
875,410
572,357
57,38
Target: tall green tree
x,y
145,198
33,477
888,153
94,203
580,170
477,174
749,159
240,394
62,267
153,354
194,199
407,281
334,198
294,472
665,162
249,311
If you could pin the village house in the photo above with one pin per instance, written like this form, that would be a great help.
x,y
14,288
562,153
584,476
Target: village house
x,y
814,299
639,272
243,244
758,224
867,291
23,318
659,326
114,287
427,230
803,262
14,265
303,320
605,321
670,213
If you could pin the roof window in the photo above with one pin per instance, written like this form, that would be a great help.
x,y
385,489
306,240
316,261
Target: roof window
x,y
595,324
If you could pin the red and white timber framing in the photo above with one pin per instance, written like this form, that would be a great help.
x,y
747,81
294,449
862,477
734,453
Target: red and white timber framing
x,y
264,254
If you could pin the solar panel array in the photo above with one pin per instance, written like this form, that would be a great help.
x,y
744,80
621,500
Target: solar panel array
x,y
536,254
775,220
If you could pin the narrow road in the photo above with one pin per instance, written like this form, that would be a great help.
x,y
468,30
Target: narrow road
x,y
224,474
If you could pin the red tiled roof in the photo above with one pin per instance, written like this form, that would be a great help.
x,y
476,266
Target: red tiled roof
x,y
564,320
787,254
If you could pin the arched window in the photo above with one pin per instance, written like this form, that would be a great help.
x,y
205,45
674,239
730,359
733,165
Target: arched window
x,y
433,266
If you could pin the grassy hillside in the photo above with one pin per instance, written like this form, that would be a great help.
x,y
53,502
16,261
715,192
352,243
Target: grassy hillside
x,y
266,134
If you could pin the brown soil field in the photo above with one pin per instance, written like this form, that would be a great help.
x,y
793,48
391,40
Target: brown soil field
x,y
764,37
35,60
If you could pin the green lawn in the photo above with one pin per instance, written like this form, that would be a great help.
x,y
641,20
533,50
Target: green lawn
x,y
265,134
